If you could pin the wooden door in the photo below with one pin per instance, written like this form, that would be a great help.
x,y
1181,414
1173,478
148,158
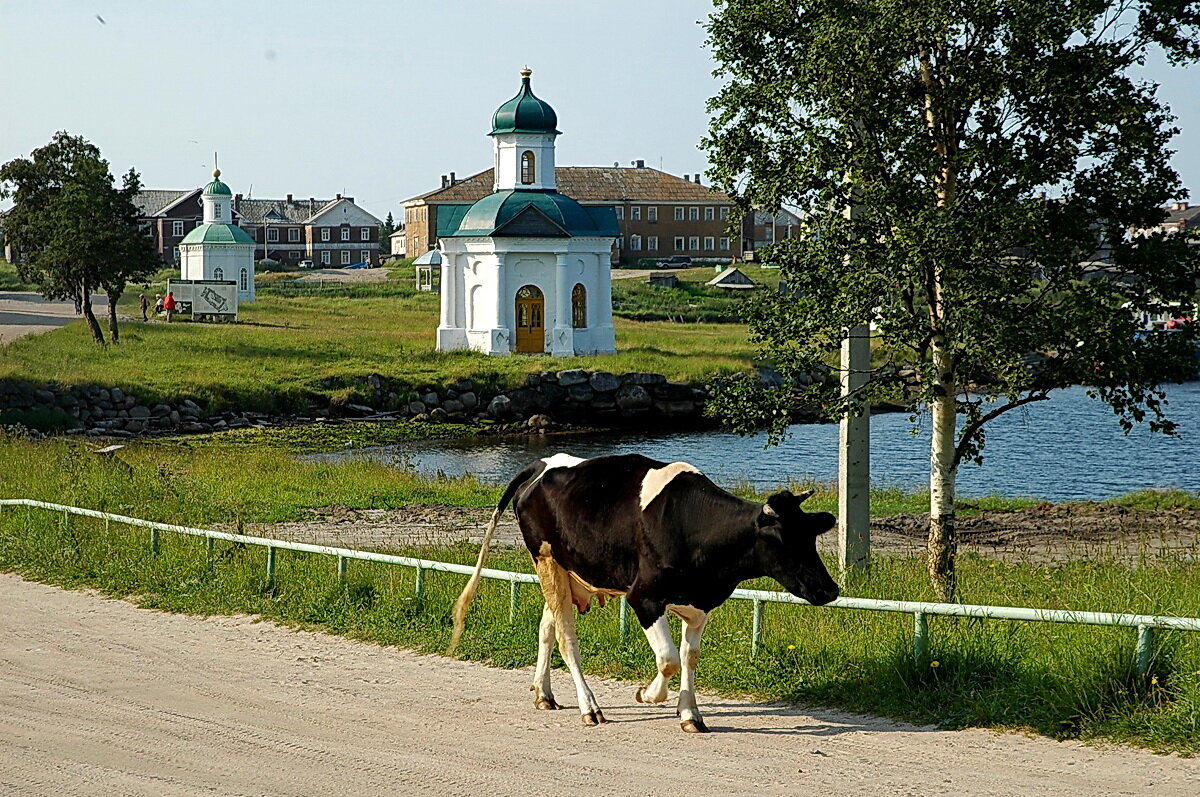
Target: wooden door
x,y
531,328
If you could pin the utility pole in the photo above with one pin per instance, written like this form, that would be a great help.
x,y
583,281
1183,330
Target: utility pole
x,y
854,449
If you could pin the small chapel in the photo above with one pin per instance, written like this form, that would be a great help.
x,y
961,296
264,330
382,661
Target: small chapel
x,y
526,269
218,249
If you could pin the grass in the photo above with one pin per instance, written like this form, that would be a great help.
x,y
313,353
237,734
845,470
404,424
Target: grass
x,y
693,301
1059,680
293,341
10,280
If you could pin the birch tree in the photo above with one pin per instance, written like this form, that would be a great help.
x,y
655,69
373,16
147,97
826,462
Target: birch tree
x,y
998,155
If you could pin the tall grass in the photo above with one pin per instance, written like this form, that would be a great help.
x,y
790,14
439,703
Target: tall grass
x,y
1062,681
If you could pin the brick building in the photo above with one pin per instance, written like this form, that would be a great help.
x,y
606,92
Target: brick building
x,y
329,232
659,214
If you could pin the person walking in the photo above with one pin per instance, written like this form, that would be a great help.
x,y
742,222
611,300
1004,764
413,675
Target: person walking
x,y
158,308
169,305
143,305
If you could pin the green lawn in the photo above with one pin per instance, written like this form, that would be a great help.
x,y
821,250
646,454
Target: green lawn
x,y
293,339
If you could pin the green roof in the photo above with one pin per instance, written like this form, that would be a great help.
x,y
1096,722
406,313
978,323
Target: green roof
x,y
217,234
532,214
524,113
216,187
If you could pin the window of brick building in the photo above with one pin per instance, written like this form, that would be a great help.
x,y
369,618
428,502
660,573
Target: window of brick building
x,y
366,233
293,234
345,233
694,243
693,214
635,213
652,243
709,243
620,211
324,233
635,243
724,213
710,214
678,243
652,213
325,258
678,214
272,234
177,228
724,244
345,257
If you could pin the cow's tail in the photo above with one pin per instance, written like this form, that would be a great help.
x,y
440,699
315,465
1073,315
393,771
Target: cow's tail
x,y
468,594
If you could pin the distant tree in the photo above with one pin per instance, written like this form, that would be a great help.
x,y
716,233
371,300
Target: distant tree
x,y
75,232
945,126
385,230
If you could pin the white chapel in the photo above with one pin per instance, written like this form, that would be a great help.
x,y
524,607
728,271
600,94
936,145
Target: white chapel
x,y
218,249
526,269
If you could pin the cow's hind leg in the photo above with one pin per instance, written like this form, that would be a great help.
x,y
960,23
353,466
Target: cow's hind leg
x,y
557,591
693,626
543,698
666,656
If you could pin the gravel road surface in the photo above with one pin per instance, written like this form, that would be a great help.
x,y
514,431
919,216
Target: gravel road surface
x,y
100,697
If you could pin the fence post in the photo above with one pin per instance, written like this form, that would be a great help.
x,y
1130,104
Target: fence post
x,y
270,565
343,569
210,546
756,627
514,591
920,637
155,541
1145,641
419,586
623,616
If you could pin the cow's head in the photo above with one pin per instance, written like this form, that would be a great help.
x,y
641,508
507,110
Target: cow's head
x,y
787,542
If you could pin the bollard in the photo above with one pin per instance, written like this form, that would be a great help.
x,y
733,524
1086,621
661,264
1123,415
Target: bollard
x,y
270,565
756,628
1145,641
155,541
623,617
419,587
514,592
920,637
343,569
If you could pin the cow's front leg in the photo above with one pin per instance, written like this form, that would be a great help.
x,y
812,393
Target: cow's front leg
x,y
693,626
543,698
666,656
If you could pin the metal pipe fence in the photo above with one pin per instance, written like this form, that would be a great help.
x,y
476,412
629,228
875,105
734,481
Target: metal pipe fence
x,y
920,610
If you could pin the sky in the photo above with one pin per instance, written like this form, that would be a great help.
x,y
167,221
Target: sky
x,y
373,100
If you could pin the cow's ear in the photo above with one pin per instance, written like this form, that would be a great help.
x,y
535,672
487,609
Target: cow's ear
x,y
782,503
769,524
820,522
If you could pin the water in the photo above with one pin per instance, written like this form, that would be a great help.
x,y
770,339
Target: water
x,y
1068,448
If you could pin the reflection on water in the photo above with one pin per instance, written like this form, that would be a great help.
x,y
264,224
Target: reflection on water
x,y
1068,448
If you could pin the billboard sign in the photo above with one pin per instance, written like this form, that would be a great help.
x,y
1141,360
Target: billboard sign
x,y
206,297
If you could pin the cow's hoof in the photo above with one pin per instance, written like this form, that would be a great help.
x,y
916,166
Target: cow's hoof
x,y
694,726
546,704
593,717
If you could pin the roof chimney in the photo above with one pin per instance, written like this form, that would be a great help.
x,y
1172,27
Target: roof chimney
x,y
697,177
641,164
452,180
312,200
1181,206
339,196
687,178
445,181
616,164
289,199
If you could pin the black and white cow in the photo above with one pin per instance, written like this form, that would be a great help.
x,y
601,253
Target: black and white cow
x,y
664,536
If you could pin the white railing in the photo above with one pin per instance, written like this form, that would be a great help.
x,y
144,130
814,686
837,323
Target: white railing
x,y
920,610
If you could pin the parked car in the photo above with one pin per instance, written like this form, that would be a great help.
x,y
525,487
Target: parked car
x,y
678,261
306,264
359,265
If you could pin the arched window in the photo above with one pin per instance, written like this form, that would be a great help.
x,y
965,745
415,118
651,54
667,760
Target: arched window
x,y
579,306
218,274
527,168
245,281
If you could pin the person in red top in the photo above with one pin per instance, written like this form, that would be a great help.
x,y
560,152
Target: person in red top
x,y
169,305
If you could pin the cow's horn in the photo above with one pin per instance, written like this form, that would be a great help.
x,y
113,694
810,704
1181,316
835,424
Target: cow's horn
x,y
769,510
804,496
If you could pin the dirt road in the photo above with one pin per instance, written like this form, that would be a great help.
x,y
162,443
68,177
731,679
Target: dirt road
x,y
28,313
100,697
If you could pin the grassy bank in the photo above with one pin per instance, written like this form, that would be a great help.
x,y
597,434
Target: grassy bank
x,y
292,342
1062,681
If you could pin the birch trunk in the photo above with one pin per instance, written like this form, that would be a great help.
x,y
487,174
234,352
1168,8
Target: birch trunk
x,y
943,536
90,315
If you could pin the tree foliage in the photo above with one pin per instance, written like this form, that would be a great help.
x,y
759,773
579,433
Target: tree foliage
x,y
996,155
74,232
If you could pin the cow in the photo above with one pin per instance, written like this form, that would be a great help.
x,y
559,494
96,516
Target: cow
x,y
664,536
